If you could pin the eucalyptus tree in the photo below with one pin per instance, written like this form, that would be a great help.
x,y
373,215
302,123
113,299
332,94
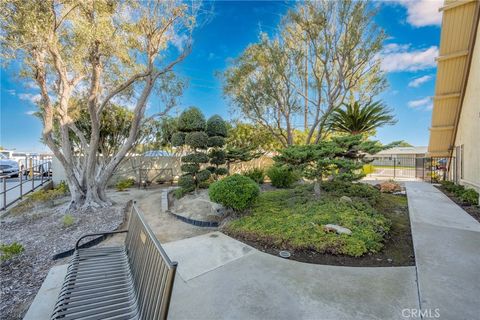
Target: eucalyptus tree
x,y
103,51
328,52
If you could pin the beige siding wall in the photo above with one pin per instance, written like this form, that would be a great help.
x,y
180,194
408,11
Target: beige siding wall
x,y
468,133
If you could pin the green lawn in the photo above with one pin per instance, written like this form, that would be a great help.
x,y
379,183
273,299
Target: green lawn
x,y
294,218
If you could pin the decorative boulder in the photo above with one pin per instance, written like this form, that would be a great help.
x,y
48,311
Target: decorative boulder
x,y
338,229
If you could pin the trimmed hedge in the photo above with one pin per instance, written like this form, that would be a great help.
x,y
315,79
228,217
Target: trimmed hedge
x,y
216,141
236,192
198,157
178,139
191,120
217,157
216,126
203,175
190,167
187,182
221,171
196,139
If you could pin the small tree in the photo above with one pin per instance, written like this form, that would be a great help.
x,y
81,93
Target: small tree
x,y
340,158
191,126
240,154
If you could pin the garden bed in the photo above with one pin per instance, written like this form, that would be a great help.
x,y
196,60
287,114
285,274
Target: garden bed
x,y
473,210
43,230
294,220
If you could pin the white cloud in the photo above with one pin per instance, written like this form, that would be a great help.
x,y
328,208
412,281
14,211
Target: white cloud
x,y
11,91
397,58
32,98
30,112
417,82
421,104
421,13
179,41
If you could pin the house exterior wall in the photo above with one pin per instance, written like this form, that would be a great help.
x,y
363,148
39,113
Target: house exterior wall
x,y
467,142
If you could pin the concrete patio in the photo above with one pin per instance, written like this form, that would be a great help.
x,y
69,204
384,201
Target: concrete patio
x,y
221,278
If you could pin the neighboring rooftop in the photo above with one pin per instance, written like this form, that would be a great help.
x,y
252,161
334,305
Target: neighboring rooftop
x,y
404,150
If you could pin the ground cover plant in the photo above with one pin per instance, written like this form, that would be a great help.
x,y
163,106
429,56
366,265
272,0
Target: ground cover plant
x,y
294,219
466,198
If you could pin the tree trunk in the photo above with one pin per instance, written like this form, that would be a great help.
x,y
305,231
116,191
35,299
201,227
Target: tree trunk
x,y
316,188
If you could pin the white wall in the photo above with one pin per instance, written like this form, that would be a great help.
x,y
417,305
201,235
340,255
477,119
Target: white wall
x,y
468,133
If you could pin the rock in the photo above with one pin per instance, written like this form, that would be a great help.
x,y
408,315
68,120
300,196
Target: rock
x,y
338,229
400,193
389,260
199,207
346,199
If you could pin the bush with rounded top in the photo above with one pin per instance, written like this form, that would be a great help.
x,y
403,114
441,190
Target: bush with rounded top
x,y
191,120
178,139
197,157
190,167
196,140
217,157
187,182
216,126
216,141
203,175
211,169
282,177
221,171
236,192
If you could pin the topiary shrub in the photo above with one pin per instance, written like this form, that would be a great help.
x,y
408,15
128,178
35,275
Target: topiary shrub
x,y
203,175
187,182
191,120
178,139
282,177
217,157
198,157
221,171
469,196
216,126
216,141
196,140
190,168
256,174
236,192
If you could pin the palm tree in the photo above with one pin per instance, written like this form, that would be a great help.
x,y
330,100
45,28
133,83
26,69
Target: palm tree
x,y
356,118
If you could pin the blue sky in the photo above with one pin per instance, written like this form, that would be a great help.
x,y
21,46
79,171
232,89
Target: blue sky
x,y
408,58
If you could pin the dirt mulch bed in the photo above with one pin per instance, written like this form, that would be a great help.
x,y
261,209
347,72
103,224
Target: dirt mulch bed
x,y
472,210
397,250
42,233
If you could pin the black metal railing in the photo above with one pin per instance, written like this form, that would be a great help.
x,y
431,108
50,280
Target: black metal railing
x,y
430,169
15,185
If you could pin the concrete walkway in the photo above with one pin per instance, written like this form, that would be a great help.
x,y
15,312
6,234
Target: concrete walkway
x,y
221,278
447,250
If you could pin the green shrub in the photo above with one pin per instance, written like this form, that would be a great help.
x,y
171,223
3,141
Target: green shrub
x,y
212,169
221,171
44,195
178,139
190,167
68,220
282,177
187,182
203,175
256,174
197,157
124,184
236,192
191,120
216,126
7,251
359,190
469,196
196,139
216,141
217,156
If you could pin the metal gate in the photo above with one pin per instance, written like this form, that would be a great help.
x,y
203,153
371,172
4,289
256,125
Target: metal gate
x,y
429,169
